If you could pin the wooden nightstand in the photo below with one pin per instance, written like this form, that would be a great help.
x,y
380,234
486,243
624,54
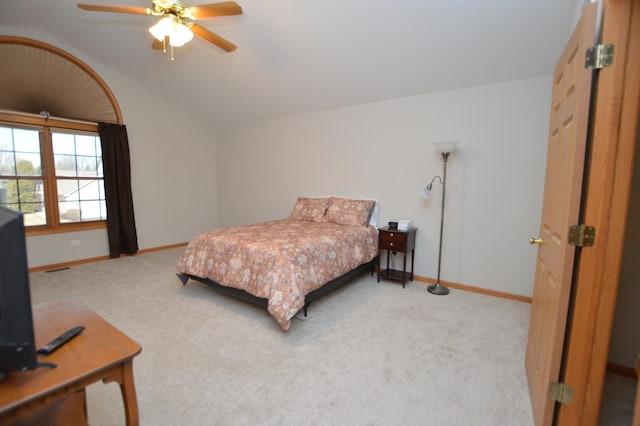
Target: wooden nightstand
x,y
394,241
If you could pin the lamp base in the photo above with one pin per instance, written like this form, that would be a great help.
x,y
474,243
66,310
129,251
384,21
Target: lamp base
x,y
438,289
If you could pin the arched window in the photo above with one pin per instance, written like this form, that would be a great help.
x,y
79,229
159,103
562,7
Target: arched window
x,y
50,155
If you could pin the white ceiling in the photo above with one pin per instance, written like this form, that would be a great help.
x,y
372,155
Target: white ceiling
x,y
297,56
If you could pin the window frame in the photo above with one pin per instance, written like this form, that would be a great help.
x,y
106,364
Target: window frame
x,y
48,177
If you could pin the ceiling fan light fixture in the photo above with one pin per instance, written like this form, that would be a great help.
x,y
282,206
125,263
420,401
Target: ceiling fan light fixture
x,y
177,21
181,35
171,27
162,29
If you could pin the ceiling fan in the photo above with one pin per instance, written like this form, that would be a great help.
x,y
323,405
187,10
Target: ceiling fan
x,y
177,23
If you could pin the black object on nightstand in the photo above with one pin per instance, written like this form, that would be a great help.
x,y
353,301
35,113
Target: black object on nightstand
x,y
395,241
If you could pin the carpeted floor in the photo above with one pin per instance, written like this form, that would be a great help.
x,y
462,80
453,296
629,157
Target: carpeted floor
x,y
618,400
370,353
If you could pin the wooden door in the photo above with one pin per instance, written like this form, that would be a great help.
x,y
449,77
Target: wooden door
x,y
614,147
636,410
560,210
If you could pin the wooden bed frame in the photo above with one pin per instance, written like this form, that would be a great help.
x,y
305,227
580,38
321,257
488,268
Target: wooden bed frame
x,y
315,294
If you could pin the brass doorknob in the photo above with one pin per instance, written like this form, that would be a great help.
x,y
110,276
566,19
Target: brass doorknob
x,y
534,240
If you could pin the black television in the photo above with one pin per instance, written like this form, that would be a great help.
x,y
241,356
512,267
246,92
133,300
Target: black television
x,y
17,340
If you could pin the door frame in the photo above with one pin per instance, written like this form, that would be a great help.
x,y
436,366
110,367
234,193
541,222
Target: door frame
x,y
606,204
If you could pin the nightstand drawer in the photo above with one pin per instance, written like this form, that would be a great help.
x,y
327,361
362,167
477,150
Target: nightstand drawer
x,y
391,240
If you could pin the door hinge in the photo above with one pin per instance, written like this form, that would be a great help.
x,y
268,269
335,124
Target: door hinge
x,y
582,236
561,393
599,57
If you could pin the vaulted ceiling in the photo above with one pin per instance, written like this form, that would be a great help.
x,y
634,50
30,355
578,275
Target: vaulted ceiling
x,y
297,56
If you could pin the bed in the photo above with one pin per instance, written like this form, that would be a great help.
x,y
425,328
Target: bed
x,y
285,264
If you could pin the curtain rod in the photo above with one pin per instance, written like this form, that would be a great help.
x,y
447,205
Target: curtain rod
x,y
45,116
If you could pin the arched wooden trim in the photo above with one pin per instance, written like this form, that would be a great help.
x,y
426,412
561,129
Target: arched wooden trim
x,y
57,51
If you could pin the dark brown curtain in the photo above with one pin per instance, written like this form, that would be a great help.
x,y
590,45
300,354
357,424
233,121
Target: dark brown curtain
x,y
121,224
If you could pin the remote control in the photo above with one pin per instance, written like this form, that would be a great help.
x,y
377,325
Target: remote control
x,y
60,340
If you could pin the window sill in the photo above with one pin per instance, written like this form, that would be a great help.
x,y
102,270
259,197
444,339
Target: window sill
x,y
67,227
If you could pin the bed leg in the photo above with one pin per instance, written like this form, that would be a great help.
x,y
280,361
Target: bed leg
x,y
306,305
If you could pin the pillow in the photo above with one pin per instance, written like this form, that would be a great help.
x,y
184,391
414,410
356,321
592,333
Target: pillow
x,y
373,218
345,211
310,209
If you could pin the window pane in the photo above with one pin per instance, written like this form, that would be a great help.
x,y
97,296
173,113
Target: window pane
x,y
7,163
20,152
25,196
35,219
90,189
8,187
6,139
86,145
81,200
65,165
87,166
92,210
26,140
77,155
63,143
28,164
68,190
69,212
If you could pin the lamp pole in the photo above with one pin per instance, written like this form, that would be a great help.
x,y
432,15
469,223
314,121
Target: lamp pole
x,y
437,288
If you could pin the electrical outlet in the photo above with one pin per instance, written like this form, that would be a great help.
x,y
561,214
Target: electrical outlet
x,y
75,242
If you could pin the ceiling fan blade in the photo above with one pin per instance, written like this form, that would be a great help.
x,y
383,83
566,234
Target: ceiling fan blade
x,y
158,45
212,10
115,9
213,38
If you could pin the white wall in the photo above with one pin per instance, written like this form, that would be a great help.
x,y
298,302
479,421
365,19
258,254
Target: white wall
x,y
183,184
578,5
173,172
384,151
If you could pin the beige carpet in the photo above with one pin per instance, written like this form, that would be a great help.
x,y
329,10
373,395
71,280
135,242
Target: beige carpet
x,y
370,354
618,400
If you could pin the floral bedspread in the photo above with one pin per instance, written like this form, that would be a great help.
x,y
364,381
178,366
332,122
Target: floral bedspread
x,y
280,261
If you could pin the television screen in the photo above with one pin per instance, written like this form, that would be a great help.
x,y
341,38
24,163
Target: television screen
x,y
17,342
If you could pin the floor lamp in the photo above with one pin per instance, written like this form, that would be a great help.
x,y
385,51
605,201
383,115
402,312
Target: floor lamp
x,y
445,149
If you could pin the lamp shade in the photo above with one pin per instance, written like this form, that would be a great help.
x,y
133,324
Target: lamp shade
x,y
163,28
446,146
426,193
181,35
178,33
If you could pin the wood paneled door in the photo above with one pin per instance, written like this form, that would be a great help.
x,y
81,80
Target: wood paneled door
x,y
575,289
567,144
